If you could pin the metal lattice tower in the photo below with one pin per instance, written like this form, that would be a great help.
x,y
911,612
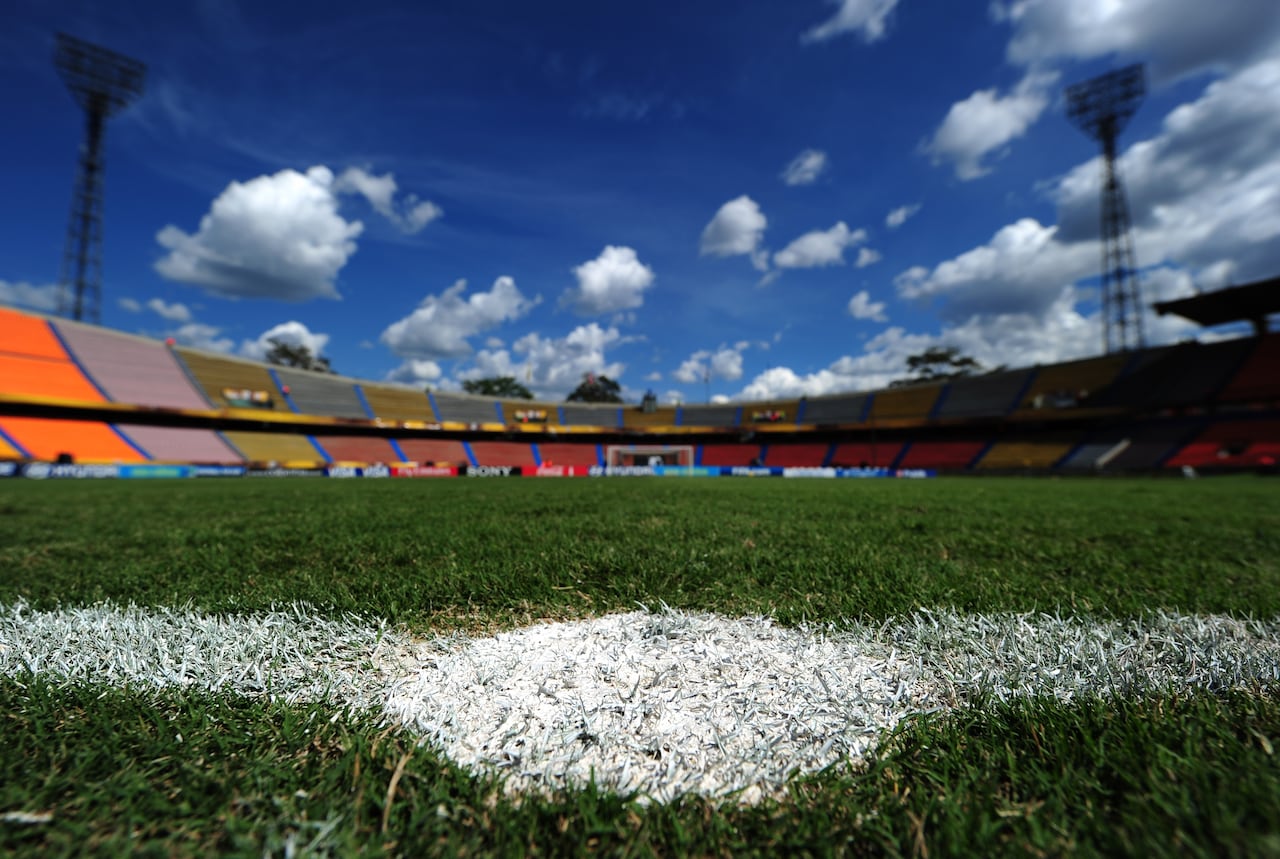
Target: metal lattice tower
x,y
103,83
1101,107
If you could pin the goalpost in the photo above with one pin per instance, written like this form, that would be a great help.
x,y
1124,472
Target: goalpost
x,y
625,455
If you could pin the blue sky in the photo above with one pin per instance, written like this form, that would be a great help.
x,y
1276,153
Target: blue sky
x,y
787,198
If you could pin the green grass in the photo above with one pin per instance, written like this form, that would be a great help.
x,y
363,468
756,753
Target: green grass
x,y
501,552
191,775
187,774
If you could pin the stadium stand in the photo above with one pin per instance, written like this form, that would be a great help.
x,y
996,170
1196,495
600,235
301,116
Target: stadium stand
x,y
592,414
1179,376
219,376
709,416
503,453
560,453
1150,445
315,393
393,403
905,404
273,447
729,454
465,408
1067,385
1132,387
796,455
1258,378
662,416
8,451
432,451
354,448
530,412
942,455
864,454
991,395
769,413
1038,455
838,409
85,441
171,444
1232,444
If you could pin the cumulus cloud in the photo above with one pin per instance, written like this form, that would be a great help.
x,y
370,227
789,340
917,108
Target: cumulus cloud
x,y
612,282
862,307
736,230
866,257
175,312
22,294
199,335
409,214
277,236
899,216
820,247
722,363
440,325
292,332
867,18
805,168
417,372
1177,37
985,122
552,366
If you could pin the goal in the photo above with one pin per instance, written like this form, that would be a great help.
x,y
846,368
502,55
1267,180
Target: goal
x,y
624,455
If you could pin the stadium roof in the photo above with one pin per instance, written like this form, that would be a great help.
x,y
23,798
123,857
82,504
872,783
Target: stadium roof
x,y
1252,302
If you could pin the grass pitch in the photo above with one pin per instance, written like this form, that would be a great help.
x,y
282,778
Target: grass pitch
x,y
184,772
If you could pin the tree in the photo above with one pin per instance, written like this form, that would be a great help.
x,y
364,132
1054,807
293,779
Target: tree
x,y
939,363
505,387
286,354
596,389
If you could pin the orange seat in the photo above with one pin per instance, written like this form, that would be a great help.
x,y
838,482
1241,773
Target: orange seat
x,y
87,441
45,377
28,335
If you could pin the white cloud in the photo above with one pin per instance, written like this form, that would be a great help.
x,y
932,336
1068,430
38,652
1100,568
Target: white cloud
x,y
985,122
612,282
292,332
441,324
819,248
655,376
865,17
736,230
175,312
805,168
417,372
866,257
494,343
130,305
198,335
1177,37
899,216
862,307
552,367
43,298
276,236
723,363
409,214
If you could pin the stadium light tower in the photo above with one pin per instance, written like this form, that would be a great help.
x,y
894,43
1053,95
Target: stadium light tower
x,y
1101,107
103,83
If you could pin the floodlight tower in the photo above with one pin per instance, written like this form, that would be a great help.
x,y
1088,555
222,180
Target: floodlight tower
x,y
1101,107
103,83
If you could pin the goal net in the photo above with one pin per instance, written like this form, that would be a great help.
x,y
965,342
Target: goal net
x,y
623,455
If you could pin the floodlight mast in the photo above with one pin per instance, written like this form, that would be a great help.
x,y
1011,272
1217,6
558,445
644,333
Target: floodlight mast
x,y
103,83
1101,107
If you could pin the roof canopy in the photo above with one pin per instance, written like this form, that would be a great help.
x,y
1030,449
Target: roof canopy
x,y
1252,302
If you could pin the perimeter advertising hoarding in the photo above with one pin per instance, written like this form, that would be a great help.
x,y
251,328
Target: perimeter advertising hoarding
x,y
220,470
423,471
492,471
560,471
357,471
9,469
50,470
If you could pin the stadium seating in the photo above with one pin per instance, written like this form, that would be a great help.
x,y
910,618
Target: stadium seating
x,y
912,403
560,453
173,444
865,454
131,369
1179,376
274,447
1130,448
8,451
1067,385
530,412
354,448
84,441
220,375
1237,443
942,455
503,453
709,416
592,414
769,413
729,454
663,416
1258,379
838,409
431,450
466,409
394,403
992,395
315,393
1018,455
796,455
